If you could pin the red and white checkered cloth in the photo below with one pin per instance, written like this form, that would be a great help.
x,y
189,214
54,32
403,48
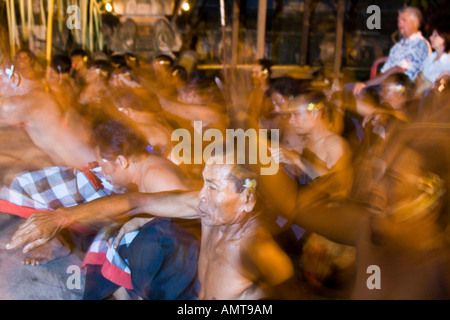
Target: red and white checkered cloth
x,y
53,187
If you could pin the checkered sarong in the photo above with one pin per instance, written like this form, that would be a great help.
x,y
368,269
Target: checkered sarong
x,y
159,261
51,188
114,268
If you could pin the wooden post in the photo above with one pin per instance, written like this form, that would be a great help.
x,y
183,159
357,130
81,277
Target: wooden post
x,y
235,34
84,18
305,32
261,29
29,24
49,32
91,25
339,39
222,23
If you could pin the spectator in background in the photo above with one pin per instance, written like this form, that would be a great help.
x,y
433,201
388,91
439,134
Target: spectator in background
x,y
438,63
79,58
406,56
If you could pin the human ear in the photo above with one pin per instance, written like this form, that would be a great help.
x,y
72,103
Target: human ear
x,y
122,161
249,200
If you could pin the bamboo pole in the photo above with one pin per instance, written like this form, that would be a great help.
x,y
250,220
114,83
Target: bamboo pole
x,y
261,29
222,22
91,25
235,34
98,23
22,19
43,19
10,30
60,10
305,32
339,40
14,27
49,32
84,12
29,22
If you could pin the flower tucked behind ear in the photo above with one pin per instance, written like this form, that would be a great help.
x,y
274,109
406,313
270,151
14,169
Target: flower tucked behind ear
x,y
313,106
399,88
102,72
250,184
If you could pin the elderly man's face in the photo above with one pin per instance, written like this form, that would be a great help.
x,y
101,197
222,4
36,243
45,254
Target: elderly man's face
x,y
220,204
407,25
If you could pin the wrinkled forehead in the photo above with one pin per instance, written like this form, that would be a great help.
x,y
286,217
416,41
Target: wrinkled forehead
x,y
216,170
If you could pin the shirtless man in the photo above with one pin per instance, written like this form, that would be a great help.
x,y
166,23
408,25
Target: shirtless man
x,y
125,161
324,173
324,152
238,259
29,104
397,217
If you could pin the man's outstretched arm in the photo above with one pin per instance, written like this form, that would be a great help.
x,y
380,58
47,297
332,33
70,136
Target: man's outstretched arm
x,y
40,228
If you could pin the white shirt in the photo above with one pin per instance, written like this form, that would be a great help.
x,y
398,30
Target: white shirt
x,y
432,68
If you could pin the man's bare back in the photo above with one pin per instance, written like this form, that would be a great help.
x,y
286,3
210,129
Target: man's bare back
x,y
45,124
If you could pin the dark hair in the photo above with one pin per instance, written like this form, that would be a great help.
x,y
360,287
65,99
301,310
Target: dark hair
x,y
443,30
286,86
115,138
61,64
28,52
401,79
266,64
79,52
180,73
317,97
164,57
132,57
101,65
118,61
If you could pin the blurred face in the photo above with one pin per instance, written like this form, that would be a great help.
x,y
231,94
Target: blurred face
x,y
393,93
301,118
162,68
220,204
437,42
406,24
114,172
23,61
279,101
78,63
258,76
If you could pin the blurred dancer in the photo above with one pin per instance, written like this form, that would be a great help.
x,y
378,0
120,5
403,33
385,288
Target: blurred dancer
x,y
238,259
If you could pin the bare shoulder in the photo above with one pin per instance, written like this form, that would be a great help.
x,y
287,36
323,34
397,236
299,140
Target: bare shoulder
x,y
337,148
336,140
162,175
